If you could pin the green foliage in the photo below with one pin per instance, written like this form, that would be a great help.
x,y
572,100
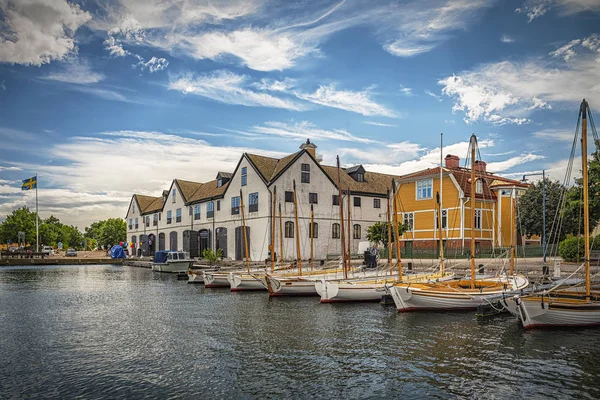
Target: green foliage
x,y
378,233
212,256
571,249
107,232
21,220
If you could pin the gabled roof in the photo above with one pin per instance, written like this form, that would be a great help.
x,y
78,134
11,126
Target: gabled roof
x,y
374,183
148,204
208,190
357,168
264,165
226,175
187,188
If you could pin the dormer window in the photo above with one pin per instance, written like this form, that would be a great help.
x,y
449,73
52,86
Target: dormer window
x,y
360,177
357,173
219,182
479,187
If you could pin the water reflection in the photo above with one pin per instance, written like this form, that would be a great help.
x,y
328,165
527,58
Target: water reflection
x,y
111,331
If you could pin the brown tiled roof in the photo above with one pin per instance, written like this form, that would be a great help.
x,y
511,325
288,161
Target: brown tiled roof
x,y
208,190
144,201
264,165
155,206
374,182
282,163
187,188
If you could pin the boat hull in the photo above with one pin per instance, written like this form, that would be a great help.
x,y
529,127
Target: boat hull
x,y
407,298
343,292
537,313
195,277
245,282
172,266
216,280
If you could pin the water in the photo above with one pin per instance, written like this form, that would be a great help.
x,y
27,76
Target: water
x,y
124,332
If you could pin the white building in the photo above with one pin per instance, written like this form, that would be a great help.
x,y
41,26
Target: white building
x,y
192,216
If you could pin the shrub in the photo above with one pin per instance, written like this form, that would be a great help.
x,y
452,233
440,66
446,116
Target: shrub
x,y
212,256
571,249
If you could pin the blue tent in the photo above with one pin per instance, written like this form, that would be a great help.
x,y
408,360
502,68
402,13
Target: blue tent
x,y
117,252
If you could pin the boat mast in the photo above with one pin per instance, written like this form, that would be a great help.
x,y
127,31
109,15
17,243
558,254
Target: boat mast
x,y
349,255
389,231
244,228
396,231
298,252
281,258
586,205
439,200
341,203
312,235
513,233
273,216
472,145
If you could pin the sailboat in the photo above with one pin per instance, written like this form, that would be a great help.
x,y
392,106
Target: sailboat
x,y
456,294
570,306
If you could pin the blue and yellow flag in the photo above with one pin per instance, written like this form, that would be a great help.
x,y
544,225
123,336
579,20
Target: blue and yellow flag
x,y
30,183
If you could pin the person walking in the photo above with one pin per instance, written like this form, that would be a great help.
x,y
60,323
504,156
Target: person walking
x,y
374,255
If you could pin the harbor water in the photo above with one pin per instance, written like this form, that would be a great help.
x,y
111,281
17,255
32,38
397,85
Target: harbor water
x,y
103,331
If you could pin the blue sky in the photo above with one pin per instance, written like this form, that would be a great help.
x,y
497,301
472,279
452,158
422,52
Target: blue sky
x,y
103,99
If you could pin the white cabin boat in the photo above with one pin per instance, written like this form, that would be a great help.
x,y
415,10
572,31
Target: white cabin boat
x,y
171,261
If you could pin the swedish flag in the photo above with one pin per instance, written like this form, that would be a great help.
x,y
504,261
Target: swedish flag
x,y
29,184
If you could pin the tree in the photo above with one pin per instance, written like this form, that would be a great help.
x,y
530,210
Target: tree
x,y
113,231
377,233
21,220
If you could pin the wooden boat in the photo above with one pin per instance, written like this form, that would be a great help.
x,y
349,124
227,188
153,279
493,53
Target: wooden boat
x,y
567,307
171,261
461,294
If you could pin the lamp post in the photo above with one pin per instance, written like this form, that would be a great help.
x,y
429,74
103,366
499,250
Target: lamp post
x,y
543,174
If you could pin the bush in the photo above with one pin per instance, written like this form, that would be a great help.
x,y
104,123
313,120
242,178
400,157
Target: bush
x,y
571,249
212,256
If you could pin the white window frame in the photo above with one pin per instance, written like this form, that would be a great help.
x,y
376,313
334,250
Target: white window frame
x,y
478,217
408,218
428,183
479,186
444,215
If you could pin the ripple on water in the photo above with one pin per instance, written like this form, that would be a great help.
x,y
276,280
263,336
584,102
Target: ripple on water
x,y
121,332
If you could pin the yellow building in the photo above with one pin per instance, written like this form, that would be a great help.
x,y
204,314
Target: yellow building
x,y
417,193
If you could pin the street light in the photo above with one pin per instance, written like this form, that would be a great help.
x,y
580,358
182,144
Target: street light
x,y
543,174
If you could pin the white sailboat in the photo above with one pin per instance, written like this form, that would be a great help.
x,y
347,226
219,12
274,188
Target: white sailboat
x,y
457,294
570,306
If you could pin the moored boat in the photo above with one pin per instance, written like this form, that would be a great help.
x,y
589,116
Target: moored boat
x,y
171,261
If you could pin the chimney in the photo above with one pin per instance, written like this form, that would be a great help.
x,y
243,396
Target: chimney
x,y
452,162
480,166
311,148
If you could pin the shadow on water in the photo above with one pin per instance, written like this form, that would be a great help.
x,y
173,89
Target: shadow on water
x,y
111,331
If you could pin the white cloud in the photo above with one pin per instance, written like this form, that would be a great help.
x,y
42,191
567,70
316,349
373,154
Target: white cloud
x,y
508,92
506,39
155,64
567,51
406,91
450,121
3,168
229,88
537,8
3,85
115,47
358,102
374,123
307,130
76,71
39,31
561,135
274,85
435,96
501,166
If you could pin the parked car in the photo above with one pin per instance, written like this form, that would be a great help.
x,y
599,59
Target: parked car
x,y
71,253
48,250
14,249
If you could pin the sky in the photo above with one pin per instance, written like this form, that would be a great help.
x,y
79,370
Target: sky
x,y
103,99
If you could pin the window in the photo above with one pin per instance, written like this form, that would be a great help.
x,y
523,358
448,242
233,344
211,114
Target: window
x,y
197,212
505,192
289,197
425,189
376,203
159,216
289,229
130,223
313,231
219,182
335,200
178,215
169,216
479,186
136,223
477,219
409,221
360,177
244,176
155,221
147,221
210,210
253,202
444,219
356,201
174,195
133,208
313,198
305,177
235,205
335,231
218,205
356,230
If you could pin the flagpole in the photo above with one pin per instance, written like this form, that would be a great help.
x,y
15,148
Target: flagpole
x,y
37,230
